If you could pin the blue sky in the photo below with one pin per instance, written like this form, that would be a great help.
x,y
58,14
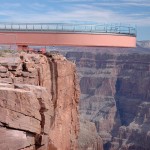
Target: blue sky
x,y
134,12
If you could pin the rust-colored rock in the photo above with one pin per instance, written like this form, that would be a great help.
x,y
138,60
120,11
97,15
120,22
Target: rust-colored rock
x,y
39,98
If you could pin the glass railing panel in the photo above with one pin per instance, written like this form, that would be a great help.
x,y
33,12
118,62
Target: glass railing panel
x,y
60,27
16,27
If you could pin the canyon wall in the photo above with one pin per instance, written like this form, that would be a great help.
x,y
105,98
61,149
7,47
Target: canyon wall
x,y
115,95
39,98
40,94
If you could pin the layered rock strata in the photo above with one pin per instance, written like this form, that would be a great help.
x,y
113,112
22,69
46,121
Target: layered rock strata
x,y
88,136
115,96
38,103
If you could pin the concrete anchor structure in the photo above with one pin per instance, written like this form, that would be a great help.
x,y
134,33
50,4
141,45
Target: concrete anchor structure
x,y
51,34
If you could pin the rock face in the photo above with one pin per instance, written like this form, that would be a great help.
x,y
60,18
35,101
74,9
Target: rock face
x,y
115,96
39,98
145,44
88,136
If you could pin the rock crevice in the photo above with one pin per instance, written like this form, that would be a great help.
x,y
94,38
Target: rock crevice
x,y
38,103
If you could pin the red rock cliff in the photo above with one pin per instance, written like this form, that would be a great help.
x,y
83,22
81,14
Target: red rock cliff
x,y
38,103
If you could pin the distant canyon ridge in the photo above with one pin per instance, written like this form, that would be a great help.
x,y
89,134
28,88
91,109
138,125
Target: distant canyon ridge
x,y
115,96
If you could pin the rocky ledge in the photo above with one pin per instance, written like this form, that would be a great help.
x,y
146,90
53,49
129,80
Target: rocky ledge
x,y
38,102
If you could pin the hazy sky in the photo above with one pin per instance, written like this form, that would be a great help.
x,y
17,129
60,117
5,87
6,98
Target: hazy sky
x,y
134,12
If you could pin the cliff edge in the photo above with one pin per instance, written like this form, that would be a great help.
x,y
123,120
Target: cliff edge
x,y
39,98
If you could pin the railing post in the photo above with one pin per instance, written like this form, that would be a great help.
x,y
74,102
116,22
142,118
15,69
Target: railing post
x,y
95,28
135,30
84,28
73,28
119,29
11,26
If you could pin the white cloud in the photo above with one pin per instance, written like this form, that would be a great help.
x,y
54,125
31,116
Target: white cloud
x,y
71,1
81,15
78,12
123,4
146,1
10,5
38,5
7,13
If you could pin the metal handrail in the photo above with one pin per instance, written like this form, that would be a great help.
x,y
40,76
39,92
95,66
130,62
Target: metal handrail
x,y
68,27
